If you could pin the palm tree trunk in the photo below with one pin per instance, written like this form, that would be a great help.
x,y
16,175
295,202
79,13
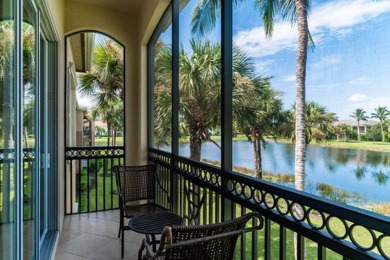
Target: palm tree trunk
x,y
25,138
114,138
358,130
257,155
383,133
195,145
300,126
108,134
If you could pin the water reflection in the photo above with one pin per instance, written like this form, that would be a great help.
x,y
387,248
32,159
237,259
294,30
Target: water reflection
x,y
360,172
348,172
381,177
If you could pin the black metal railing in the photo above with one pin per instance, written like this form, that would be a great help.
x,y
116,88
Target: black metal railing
x,y
297,224
90,183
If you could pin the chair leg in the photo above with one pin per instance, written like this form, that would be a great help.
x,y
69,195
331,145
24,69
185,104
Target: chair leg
x,y
120,222
140,251
120,228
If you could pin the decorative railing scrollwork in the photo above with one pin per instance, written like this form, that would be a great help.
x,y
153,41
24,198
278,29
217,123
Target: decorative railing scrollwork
x,y
352,232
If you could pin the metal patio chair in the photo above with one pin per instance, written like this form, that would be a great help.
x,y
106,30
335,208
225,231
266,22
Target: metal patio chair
x,y
215,241
136,187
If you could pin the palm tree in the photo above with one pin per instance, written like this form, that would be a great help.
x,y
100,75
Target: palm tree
x,y
112,114
360,115
104,84
162,95
319,122
342,130
204,17
382,114
257,115
199,93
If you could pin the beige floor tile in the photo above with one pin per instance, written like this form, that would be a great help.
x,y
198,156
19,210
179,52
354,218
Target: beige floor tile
x,y
94,236
68,256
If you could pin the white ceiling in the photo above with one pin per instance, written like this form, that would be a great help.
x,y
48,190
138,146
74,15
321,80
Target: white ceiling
x,y
128,6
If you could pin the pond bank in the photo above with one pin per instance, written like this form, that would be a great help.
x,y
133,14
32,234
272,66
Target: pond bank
x,y
352,144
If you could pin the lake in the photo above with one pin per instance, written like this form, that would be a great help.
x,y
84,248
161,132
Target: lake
x,y
356,176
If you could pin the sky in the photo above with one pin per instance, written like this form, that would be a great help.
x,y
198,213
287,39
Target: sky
x,y
347,69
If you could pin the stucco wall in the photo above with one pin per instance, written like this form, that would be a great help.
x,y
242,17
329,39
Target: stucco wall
x,y
124,28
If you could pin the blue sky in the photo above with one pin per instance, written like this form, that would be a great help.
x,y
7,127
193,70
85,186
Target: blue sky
x,y
347,69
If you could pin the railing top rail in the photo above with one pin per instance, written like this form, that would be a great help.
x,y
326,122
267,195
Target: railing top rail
x,y
94,152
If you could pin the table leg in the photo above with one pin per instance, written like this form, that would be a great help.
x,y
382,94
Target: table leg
x,y
154,243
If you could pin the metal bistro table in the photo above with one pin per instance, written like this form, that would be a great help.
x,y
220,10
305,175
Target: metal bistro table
x,y
153,223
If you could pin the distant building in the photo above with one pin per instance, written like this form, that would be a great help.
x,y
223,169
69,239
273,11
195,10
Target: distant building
x,y
364,126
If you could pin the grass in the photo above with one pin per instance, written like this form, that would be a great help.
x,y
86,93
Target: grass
x,y
99,194
366,145
352,144
102,141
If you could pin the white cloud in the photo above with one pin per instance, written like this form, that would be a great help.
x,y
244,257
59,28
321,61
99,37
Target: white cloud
x,y
336,18
261,67
357,98
345,14
327,61
289,78
362,81
325,86
255,44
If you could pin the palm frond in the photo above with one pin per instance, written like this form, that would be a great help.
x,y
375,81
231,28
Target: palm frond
x,y
204,16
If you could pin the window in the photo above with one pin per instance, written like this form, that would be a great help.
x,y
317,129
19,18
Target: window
x,y
346,102
199,86
161,54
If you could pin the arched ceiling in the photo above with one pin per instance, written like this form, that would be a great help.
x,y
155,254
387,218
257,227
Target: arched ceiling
x,y
128,6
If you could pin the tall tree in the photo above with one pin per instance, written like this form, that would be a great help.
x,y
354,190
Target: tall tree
x,y
204,18
112,114
319,122
104,85
258,114
199,95
381,113
199,92
360,115
162,94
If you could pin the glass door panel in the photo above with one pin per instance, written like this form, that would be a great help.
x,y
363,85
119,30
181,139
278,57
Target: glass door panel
x,y
29,128
7,131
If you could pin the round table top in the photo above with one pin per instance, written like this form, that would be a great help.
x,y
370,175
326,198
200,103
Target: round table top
x,y
153,223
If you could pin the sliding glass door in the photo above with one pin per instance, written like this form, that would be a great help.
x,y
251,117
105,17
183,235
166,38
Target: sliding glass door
x,y
27,183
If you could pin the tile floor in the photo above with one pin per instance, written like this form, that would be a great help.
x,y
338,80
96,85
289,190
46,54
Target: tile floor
x,y
95,236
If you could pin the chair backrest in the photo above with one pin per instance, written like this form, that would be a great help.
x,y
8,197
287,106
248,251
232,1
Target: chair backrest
x,y
194,201
216,241
136,182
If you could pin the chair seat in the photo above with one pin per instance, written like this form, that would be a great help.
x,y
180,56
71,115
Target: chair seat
x,y
134,210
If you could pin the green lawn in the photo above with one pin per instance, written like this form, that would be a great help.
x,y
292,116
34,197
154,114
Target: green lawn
x,y
102,141
362,145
